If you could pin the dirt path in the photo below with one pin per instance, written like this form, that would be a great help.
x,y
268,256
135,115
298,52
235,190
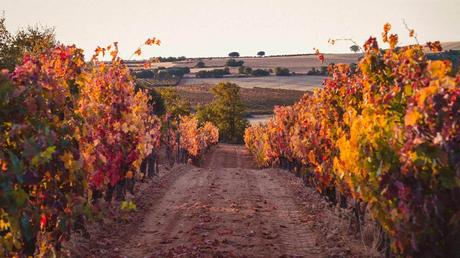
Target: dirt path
x,y
227,208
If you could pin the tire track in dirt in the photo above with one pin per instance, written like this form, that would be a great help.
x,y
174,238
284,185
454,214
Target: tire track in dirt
x,y
284,218
166,222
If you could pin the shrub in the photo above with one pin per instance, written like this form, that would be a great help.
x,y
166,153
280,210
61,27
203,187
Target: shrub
x,y
245,70
234,63
315,71
261,53
280,71
178,71
145,74
260,72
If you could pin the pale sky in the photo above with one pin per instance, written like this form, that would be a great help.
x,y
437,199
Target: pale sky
x,y
198,28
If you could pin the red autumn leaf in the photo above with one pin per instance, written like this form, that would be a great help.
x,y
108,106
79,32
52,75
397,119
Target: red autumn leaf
x,y
434,46
42,221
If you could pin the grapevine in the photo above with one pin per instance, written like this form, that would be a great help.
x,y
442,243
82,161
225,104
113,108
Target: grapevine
x,y
68,128
387,135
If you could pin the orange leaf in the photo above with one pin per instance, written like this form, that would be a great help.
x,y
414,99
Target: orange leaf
x,y
138,52
412,116
114,54
387,27
411,33
393,40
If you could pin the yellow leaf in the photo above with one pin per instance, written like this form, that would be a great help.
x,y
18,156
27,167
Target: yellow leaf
x,y
412,116
67,158
425,92
438,68
311,157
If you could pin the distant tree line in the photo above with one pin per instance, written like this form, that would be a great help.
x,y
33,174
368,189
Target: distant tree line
x,y
215,73
162,73
254,72
172,59
318,71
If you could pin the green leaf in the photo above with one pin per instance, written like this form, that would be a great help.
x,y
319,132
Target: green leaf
x,y
20,197
43,157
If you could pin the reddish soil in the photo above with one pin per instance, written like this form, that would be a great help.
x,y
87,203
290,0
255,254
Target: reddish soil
x,y
226,208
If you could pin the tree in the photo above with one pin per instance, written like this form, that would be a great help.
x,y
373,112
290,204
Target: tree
x,y
34,40
234,54
5,42
200,64
155,100
225,111
261,53
354,48
174,103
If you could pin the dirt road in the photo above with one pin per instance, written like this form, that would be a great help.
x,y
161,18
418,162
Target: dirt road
x,y
228,208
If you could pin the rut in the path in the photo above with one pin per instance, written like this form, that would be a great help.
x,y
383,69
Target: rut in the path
x,y
228,208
